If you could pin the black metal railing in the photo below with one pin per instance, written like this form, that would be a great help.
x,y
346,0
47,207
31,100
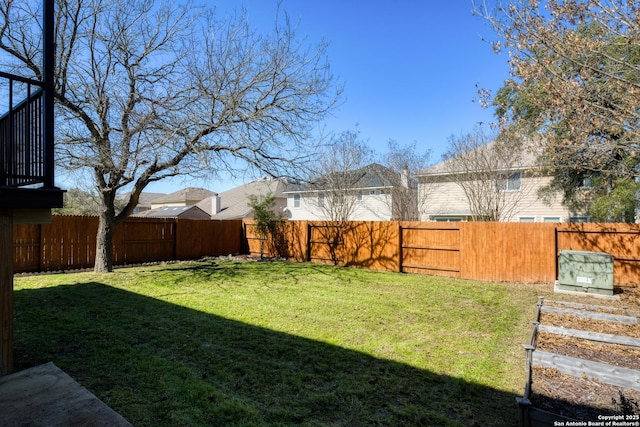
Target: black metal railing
x,y
22,135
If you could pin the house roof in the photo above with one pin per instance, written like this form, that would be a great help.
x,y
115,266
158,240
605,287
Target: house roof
x,y
189,195
527,160
370,176
234,203
191,211
145,199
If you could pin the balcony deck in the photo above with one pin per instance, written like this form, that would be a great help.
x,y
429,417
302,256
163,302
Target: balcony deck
x,y
26,146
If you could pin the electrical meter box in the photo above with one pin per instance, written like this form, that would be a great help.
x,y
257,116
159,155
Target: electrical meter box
x,y
585,271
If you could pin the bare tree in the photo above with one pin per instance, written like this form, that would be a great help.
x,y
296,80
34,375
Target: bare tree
x,y
404,162
153,89
333,191
489,169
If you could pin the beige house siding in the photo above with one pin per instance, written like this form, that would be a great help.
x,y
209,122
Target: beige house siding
x,y
445,198
531,205
442,198
374,207
170,205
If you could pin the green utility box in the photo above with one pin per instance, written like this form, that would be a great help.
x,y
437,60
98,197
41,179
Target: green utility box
x,y
584,271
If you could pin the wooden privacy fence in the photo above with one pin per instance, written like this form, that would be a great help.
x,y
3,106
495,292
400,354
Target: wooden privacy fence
x,y
69,242
516,252
512,252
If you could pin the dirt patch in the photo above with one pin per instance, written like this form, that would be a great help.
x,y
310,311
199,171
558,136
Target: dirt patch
x,y
630,297
583,398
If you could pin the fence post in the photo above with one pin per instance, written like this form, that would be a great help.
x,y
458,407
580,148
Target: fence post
x,y
244,242
399,247
176,222
40,248
555,252
308,242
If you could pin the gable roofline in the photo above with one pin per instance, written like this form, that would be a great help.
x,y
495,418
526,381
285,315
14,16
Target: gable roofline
x,y
168,211
234,203
372,176
427,172
319,190
527,161
184,195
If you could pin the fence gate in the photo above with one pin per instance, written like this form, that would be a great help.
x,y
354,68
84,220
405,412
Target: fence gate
x,y
430,249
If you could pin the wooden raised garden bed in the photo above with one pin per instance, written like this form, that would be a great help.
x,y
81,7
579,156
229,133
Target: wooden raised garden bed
x,y
583,366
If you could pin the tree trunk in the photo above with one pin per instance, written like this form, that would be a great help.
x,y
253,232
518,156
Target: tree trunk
x,y
104,244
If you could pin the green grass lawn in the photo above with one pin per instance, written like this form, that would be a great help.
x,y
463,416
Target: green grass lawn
x,y
239,343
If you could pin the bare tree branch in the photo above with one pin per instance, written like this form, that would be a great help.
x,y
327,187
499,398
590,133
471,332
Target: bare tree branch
x,y
152,89
482,163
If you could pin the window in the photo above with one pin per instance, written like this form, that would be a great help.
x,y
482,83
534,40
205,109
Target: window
x,y
514,182
551,219
587,182
321,200
296,200
527,219
448,219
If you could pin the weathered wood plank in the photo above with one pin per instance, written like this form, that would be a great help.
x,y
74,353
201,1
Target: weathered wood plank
x,y
591,315
539,418
591,336
590,307
609,374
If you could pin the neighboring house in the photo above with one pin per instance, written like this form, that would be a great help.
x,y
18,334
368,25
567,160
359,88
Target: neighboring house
x,y
144,201
234,203
179,204
368,192
188,212
185,197
444,199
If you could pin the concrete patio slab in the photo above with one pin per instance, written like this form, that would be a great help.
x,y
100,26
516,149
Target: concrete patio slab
x,y
45,396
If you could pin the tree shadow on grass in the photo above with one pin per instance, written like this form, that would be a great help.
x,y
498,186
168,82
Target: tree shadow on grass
x,y
162,364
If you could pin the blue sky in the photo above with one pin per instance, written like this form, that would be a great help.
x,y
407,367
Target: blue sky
x,y
409,67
